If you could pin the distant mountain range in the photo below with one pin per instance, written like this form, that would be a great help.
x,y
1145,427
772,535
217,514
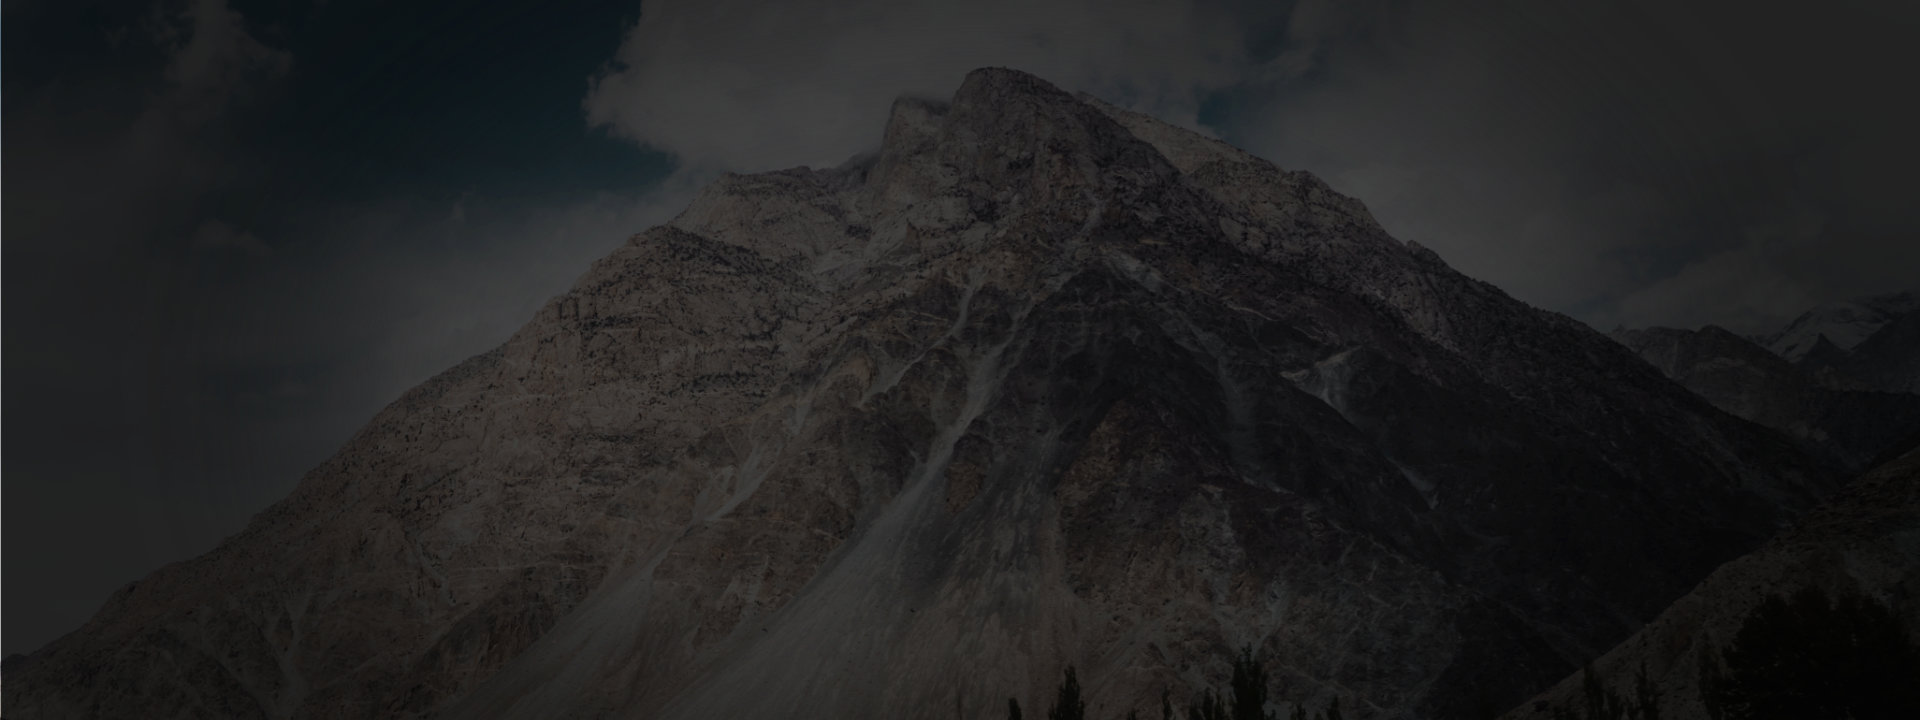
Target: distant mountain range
x,y
1823,621
1844,377
1843,324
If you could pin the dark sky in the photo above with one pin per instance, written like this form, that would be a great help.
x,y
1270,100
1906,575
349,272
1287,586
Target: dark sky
x,y
234,230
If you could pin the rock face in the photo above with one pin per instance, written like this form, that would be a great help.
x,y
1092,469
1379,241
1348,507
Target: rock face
x,y
1861,545
1848,407
1041,382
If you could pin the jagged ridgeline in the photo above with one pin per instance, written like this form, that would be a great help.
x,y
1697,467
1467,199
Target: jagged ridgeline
x,y
1039,383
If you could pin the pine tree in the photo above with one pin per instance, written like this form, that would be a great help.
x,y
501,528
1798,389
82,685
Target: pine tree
x,y
1068,705
1483,706
1249,687
1807,656
1210,708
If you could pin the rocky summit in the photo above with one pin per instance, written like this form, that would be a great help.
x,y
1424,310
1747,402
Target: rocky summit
x,y
1038,383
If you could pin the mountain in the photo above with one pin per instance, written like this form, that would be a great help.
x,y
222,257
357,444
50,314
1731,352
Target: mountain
x,y
1845,324
1878,350
1039,383
1855,555
1887,361
1849,420
1843,378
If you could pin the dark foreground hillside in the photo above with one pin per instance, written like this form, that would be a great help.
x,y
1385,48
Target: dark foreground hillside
x,y
1824,621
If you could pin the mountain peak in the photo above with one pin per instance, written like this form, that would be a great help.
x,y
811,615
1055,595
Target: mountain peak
x,y
1845,323
1040,383
989,86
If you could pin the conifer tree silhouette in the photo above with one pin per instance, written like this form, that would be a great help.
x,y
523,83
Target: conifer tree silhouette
x,y
1249,687
1068,705
1808,656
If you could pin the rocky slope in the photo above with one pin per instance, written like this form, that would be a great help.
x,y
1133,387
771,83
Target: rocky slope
x,y
1862,545
1853,420
1040,382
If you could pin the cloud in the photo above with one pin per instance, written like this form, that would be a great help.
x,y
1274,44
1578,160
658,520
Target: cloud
x,y
217,235
154,162
212,57
114,163
1611,160
1778,272
747,86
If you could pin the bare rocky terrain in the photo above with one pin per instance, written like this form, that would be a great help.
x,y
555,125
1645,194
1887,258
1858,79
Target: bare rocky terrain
x,y
1039,382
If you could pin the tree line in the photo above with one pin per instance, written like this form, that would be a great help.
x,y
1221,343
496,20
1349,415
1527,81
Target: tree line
x,y
1795,657
1244,698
